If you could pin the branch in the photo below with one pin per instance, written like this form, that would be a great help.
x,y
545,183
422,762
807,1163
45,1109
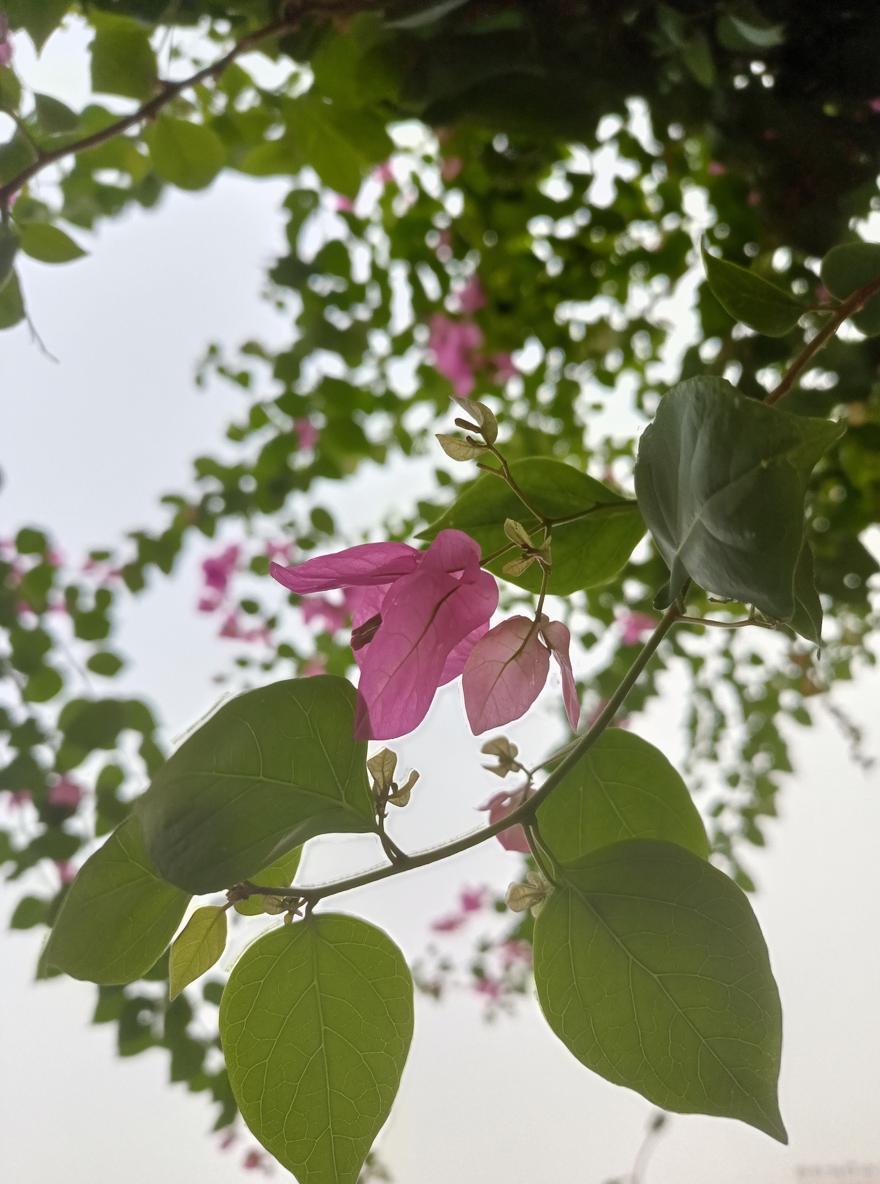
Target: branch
x,y
851,305
147,110
521,814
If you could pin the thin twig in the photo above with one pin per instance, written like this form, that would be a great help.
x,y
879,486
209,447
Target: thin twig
x,y
851,305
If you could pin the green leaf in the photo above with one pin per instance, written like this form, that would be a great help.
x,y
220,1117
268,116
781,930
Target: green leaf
x,y
196,948
622,788
751,299
585,553
316,1022
118,916
847,268
105,664
280,874
12,310
652,970
123,62
188,155
807,619
54,116
338,144
721,481
10,241
268,771
40,18
29,912
49,244
743,28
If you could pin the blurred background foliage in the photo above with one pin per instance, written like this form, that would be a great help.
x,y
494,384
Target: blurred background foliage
x,y
492,197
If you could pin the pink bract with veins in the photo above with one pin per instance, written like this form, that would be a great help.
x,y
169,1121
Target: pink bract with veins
x,y
417,616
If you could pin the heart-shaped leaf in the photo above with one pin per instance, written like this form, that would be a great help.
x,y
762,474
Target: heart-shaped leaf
x,y
316,1022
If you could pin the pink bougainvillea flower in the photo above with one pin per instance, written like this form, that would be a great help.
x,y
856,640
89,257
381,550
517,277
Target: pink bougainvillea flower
x,y
504,674
454,345
333,616
417,616
65,794
558,638
306,434
472,899
217,569
499,806
716,169
448,924
472,297
633,627
503,367
508,668
384,173
344,205
874,106
450,167
233,629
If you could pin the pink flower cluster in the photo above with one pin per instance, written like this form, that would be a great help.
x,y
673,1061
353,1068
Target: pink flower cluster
x,y
470,900
456,344
217,573
420,619
416,614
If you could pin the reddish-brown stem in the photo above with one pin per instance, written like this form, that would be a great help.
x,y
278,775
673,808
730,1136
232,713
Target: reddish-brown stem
x,y
851,305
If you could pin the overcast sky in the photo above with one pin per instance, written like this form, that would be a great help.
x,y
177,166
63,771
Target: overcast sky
x,y
88,444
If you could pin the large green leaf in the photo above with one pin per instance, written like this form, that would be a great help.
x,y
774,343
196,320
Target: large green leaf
x,y
188,155
751,299
118,916
39,17
269,770
721,481
316,1022
622,788
847,268
652,970
585,552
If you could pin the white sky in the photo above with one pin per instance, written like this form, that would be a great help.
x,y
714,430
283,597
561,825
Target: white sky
x,y
87,446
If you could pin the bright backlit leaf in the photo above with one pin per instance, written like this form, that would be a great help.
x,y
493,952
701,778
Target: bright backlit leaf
x,y
49,244
622,788
316,1022
587,551
721,481
266,772
196,948
652,970
751,299
123,62
118,915
186,154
